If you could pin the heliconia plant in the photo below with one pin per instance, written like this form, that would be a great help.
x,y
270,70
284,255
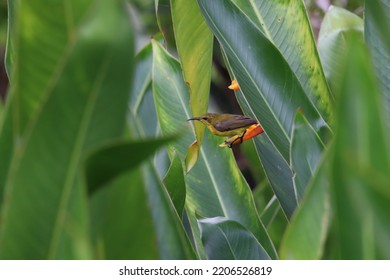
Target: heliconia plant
x,y
99,160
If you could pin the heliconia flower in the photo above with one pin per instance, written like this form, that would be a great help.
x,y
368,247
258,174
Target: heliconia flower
x,y
234,85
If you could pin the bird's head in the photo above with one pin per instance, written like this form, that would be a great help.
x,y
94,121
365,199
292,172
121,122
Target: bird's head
x,y
207,119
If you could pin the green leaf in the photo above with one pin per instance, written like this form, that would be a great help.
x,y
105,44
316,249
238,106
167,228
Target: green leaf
x,y
268,214
164,22
192,155
150,219
9,50
332,44
379,24
172,240
306,151
225,239
276,168
32,28
267,82
71,64
361,163
286,24
254,164
175,184
142,117
112,160
278,174
143,121
275,221
377,35
194,42
306,234
141,95
215,186
121,221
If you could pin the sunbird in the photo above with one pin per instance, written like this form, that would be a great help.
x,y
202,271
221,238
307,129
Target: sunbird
x,y
228,125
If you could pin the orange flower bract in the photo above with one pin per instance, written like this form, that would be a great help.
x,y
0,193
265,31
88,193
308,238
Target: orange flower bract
x,y
234,85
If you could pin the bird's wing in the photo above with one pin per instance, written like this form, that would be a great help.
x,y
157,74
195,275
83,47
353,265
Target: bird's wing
x,y
234,122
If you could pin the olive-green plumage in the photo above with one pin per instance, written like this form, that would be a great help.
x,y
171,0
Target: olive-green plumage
x,y
225,124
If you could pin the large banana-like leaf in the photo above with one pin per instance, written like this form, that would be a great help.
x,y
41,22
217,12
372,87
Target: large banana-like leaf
x,y
277,169
361,163
175,184
270,210
215,186
225,239
38,47
164,22
332,44
306,234
194,42
172,240
169,194
121,220
141,95
71,64
268,84
142,119
132,213
376,31
111,160
287,25
306,151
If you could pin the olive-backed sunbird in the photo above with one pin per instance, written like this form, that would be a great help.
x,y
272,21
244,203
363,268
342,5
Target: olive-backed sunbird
x,y
227,125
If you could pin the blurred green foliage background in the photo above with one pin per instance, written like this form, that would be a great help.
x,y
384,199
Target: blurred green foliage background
x,y
94,138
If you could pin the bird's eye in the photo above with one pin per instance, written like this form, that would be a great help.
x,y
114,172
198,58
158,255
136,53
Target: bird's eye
x,y
205,118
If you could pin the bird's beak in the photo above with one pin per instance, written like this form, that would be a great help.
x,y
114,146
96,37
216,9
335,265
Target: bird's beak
x,y
194,119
